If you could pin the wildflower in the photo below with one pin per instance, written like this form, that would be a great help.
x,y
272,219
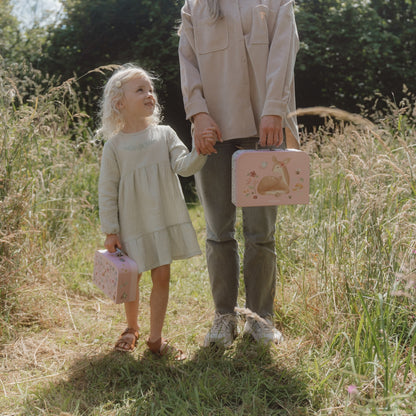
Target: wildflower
x,y
352,390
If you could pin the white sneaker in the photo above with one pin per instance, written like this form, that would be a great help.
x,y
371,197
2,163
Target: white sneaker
x,y
223,331
262,330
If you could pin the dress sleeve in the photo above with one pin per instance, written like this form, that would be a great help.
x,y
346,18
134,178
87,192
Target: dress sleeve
x,y
192,91
108,186
182,161
282,55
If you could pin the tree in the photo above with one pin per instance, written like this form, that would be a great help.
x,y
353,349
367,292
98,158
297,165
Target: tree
x,y
102,32
17,43
353,49
398,18
9,31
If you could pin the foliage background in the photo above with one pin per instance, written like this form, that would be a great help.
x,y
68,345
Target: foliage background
x,y
103,32
352,51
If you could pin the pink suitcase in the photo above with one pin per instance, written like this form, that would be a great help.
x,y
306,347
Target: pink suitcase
x,y
270,177
116,275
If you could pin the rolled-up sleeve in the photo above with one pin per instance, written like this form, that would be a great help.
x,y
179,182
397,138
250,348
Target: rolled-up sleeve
x,y
280,67
192,90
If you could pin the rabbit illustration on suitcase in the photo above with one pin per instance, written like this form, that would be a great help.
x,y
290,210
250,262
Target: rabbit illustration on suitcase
x,y
278,183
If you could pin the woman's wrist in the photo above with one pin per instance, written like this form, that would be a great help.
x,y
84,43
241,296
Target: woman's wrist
x,y
198,115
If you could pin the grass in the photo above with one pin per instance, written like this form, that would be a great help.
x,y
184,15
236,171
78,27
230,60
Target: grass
x,y
110,384
345,295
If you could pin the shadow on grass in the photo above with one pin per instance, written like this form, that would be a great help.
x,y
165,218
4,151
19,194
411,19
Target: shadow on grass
x,y
245,380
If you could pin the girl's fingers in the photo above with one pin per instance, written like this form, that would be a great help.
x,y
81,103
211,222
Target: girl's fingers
x,y
208,146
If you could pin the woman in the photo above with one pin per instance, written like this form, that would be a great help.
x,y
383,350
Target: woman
x,y
237,59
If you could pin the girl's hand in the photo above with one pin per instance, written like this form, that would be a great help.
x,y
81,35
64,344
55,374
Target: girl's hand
x,y
206,134
112,242
271,132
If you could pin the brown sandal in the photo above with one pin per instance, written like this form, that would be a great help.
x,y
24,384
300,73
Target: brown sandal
x,y
127,340
161,348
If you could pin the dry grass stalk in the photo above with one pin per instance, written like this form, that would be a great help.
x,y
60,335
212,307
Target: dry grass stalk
x,y
335,113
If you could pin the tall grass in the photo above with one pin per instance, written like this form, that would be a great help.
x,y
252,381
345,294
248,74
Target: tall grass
x,y
47,186
358,253
345,296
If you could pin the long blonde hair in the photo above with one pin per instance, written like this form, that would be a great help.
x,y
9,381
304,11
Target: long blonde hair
x,y
112,121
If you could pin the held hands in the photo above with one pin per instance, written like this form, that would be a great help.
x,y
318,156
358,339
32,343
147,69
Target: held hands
x,y
112,242
271,132
206,134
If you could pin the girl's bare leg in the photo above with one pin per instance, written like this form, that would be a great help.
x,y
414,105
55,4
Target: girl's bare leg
x,y
159,300
132,311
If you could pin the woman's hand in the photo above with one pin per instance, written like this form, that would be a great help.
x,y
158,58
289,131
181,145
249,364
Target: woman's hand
x,y
271,132
206,133
112,242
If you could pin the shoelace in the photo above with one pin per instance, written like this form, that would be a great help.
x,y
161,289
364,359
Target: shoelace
x,y
223,321
262,326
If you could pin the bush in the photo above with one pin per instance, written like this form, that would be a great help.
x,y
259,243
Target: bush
x,y
48,179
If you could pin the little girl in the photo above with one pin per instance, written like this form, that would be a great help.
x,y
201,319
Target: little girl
x,y
142,208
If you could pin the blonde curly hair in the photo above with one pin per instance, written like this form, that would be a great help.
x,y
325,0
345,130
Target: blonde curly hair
x,y
111,119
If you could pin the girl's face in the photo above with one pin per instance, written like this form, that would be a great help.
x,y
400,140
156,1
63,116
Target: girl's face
x,y
138,100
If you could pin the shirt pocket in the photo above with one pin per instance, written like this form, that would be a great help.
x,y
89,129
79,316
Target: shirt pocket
x,y
259,29
211,36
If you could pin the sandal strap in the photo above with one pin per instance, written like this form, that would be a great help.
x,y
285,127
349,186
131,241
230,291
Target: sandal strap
x,y
122,340
155,346
132,331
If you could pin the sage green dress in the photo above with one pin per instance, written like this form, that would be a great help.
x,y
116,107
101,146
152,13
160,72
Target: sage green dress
x,y
140,196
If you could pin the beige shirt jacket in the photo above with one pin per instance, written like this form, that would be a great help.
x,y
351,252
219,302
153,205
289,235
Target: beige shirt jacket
x,y
240,67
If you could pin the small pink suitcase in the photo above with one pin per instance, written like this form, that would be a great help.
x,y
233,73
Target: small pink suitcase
x,y
116,275
270,177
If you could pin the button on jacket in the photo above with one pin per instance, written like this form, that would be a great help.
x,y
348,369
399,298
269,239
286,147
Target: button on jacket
x,y
240,67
